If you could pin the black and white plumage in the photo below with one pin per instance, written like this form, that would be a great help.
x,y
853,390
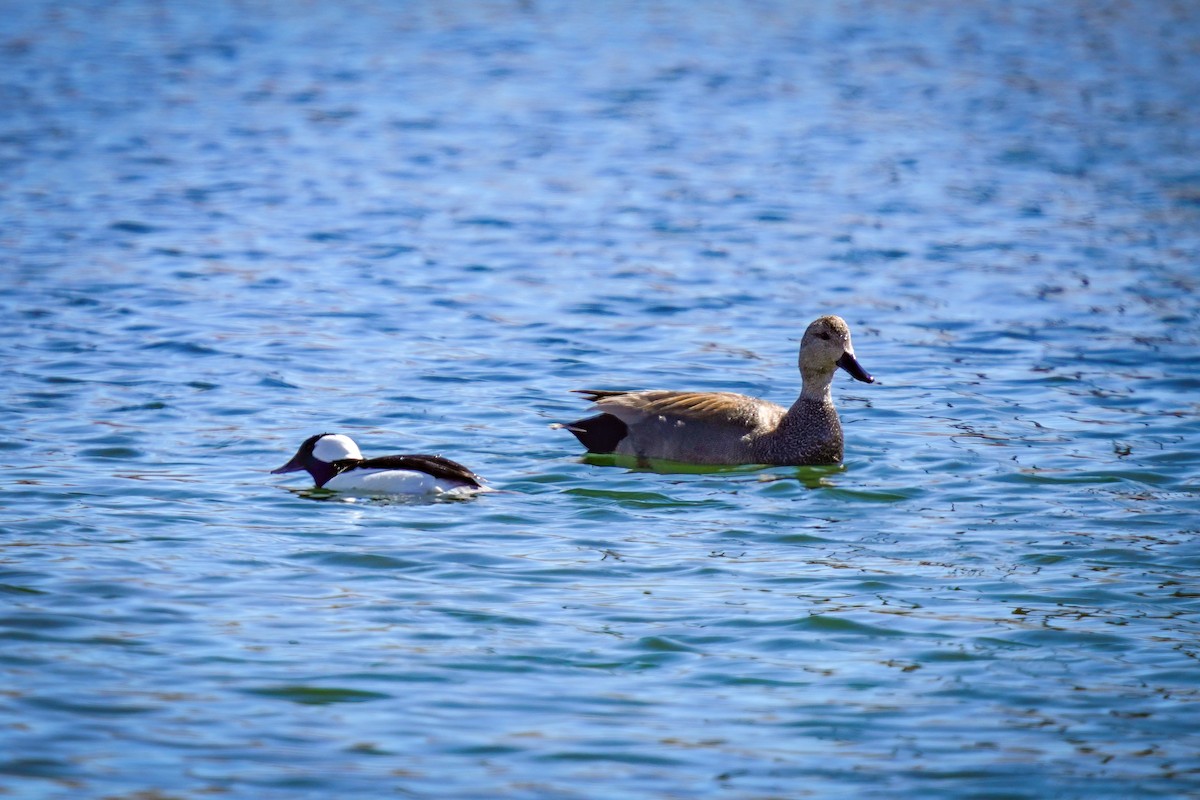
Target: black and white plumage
x,y
335,462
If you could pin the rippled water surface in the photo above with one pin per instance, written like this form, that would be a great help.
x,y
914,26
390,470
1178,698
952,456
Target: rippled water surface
x,y
227,226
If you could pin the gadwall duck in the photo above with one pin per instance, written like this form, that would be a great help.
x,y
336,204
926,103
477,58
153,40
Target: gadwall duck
x,y
728,428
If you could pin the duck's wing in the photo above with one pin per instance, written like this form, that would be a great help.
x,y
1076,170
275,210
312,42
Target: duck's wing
x,y
703,408
437,466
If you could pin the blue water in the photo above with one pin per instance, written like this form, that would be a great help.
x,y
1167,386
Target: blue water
x,y
227,226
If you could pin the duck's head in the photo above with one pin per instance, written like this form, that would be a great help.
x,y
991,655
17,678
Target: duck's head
x,y
318,452
825,347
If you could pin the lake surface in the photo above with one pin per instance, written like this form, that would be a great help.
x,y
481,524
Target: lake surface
x,y
228,226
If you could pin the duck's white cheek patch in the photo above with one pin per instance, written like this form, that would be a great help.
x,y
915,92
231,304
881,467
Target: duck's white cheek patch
x,y
335,447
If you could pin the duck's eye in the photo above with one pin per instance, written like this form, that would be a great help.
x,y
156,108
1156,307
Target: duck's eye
x,y
824,335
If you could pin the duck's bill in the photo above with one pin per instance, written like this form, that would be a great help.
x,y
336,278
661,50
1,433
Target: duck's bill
x,y
851,365
294,465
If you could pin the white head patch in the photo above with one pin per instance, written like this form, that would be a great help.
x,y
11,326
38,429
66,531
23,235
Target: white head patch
x,y
334,447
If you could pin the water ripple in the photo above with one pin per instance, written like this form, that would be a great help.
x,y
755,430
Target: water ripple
x,y
230,228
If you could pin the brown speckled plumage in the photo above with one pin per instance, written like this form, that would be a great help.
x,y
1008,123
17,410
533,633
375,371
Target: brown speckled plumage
x,y
728,428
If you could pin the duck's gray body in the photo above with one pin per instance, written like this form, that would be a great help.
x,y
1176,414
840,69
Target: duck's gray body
x,y
728,428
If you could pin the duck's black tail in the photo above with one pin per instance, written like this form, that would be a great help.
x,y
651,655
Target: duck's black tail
x,y
599,434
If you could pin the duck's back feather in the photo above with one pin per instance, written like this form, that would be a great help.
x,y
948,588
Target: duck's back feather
x,y
437,466
708,408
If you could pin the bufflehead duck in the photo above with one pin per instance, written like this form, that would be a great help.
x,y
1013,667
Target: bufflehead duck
x,y
335,462
728,428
